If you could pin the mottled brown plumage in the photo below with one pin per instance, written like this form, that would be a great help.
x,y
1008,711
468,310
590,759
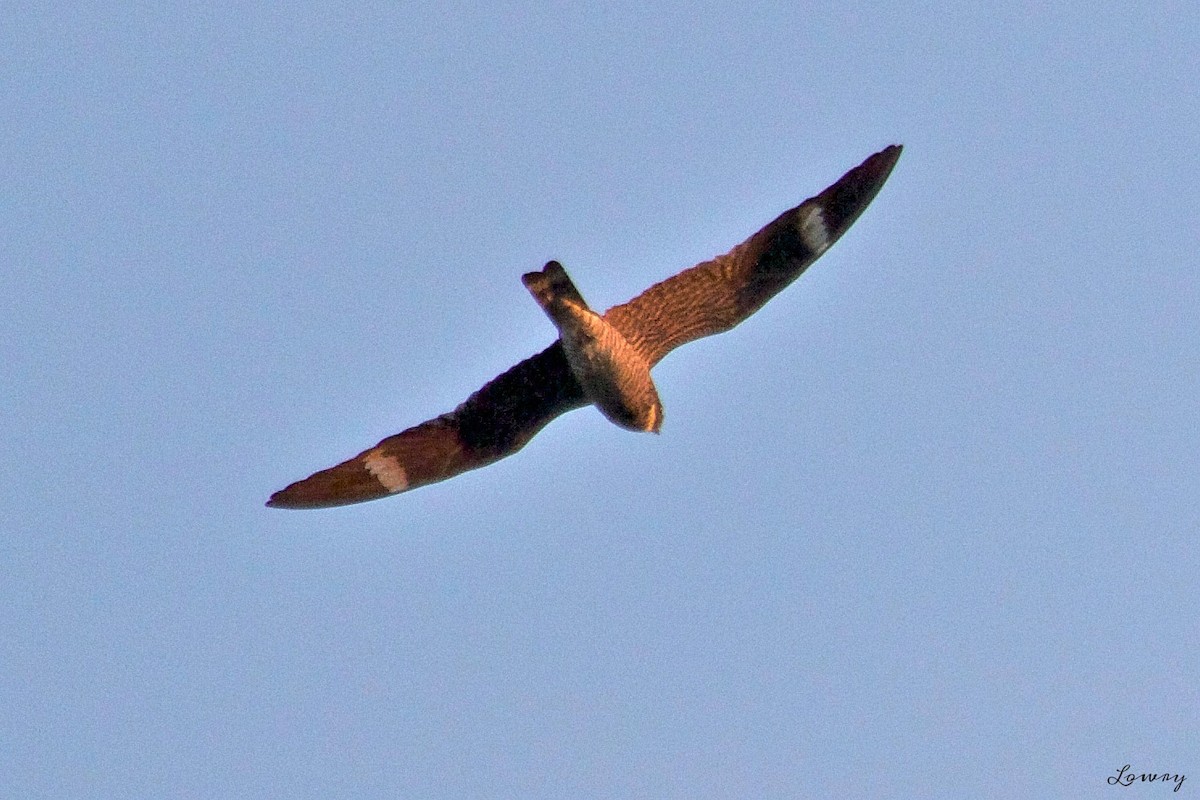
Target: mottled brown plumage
x,y
613,353
613,374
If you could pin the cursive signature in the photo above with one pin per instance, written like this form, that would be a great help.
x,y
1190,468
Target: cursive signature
x,y
1126,778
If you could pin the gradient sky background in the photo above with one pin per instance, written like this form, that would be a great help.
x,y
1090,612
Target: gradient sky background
x,y
925,526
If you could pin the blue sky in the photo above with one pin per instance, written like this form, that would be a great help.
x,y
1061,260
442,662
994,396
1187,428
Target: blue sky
x,y
924,526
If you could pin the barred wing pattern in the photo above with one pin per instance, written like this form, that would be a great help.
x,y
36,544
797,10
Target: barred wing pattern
x,y
499,419
715,296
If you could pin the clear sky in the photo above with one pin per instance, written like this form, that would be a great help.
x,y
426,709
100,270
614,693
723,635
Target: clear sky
x,y
925,526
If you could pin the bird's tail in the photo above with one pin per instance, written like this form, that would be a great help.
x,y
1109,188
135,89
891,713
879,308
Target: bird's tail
x,y
552,288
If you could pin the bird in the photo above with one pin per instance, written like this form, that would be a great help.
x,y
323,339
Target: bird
x,y
600,359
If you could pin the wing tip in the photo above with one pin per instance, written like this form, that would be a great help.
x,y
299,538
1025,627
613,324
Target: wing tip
x,y
876,168
848,197
355,481
286,499
296,497
887,158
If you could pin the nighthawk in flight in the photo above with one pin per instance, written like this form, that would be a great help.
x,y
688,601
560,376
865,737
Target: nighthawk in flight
x,y
602,360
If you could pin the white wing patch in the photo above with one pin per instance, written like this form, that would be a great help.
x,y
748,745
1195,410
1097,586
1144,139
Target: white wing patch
x,y
814,231
387,470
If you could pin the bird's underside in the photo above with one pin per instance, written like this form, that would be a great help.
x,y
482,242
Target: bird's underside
x,y
604,360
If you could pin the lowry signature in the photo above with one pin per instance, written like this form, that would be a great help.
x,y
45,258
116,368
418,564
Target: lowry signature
x,y
1125,777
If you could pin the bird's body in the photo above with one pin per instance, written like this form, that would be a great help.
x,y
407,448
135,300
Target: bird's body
x,y
614,375
603,360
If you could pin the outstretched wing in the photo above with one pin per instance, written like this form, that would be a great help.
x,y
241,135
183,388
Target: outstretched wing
x,y
716,295
504,415
496,421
